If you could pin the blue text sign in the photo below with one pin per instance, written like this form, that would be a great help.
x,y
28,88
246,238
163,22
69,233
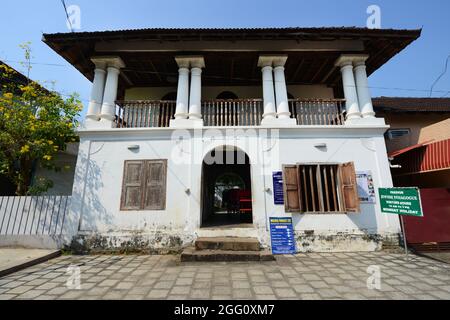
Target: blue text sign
x,y
278,192
282,236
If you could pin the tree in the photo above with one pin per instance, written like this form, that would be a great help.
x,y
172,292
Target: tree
x,y
35,124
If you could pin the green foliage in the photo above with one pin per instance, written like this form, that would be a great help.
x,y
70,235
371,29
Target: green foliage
x,y
35,124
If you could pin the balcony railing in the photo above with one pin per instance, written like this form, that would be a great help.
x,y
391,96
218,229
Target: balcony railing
x,y
327,112
236,112
239,112
144,113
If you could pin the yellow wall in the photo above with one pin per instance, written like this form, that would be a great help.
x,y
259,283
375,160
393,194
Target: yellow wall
x,y
423,126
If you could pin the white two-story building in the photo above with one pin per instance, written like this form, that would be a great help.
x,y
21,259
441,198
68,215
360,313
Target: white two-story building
x,y
211,132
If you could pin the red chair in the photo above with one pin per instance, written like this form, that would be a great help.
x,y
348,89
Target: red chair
x,y
245,203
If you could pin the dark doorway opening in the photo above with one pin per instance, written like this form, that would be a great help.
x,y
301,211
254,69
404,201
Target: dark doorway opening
x,y
226,189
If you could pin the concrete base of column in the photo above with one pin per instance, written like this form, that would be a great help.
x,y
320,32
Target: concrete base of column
x,y
372,121
277,122
368,115
186,123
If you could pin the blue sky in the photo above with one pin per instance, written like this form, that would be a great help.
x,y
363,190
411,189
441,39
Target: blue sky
x,y
413,71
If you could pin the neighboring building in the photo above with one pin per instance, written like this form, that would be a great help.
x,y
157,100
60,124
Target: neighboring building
x,y
62,180
418,139
166,102
419,148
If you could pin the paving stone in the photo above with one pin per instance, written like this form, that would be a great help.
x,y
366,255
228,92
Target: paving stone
x,y
242,294
318,284
32,294
158,294
124,285
263,290
20,290
180,290
303,288
221,290
200,284
184,281
307,276
310,296
199,294
114,295
285,293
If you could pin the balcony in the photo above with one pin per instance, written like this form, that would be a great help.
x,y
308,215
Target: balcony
x,y
224,113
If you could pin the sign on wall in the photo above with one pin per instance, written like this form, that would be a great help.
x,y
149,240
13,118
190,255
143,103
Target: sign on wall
x,y
401,201
282,236
278,193
366,188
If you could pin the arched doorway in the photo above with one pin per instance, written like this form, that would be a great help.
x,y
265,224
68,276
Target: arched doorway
x,y
226,188
227,95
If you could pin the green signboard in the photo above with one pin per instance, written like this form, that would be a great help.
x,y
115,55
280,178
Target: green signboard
x,y
401,201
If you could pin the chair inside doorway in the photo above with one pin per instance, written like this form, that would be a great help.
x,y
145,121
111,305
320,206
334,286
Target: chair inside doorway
x,y
226,190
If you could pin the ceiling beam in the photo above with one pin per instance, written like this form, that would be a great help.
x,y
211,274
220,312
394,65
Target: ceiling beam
x,y
224,46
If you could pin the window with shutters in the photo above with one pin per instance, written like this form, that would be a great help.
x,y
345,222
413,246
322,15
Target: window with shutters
x,y
144,185
320,188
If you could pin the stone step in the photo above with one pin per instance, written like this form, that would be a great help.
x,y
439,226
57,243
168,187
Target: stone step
x,y
227,243
193,255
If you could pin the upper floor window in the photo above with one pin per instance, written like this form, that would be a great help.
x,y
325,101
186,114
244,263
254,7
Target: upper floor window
x,y
227,95
397,133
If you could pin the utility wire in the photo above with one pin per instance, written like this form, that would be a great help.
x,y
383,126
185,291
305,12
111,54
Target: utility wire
x,y
440,76
67,15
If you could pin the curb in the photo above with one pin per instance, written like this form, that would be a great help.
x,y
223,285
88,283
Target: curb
x,y
28,264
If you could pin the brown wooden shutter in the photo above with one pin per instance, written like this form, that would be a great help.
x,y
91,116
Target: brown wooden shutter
x,y
292,201
155,185
132,185
349,187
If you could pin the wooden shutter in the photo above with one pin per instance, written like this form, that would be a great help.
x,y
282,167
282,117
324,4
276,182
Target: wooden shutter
x,y
132,185
349,190
292,201
155,185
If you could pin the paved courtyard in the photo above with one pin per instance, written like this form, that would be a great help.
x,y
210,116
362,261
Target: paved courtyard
x,y
305,276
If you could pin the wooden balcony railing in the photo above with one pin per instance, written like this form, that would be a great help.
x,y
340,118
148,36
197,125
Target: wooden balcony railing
x,y
236,112
144,113
318,111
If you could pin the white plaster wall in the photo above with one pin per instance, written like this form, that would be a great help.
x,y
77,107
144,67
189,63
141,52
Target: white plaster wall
x,y
98,180
243,92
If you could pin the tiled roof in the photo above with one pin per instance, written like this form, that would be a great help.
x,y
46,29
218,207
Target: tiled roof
x,y
299,31
399,104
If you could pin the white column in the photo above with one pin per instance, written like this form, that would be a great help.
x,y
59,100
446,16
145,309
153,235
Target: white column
x,y
181,111
96,98
195,99
362,87
270,112
281,90
110,94
348,82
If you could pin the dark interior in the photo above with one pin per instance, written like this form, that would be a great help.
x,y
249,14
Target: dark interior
x,y
222,182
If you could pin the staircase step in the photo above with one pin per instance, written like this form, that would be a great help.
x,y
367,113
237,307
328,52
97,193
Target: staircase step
x,y
227,243
192,255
